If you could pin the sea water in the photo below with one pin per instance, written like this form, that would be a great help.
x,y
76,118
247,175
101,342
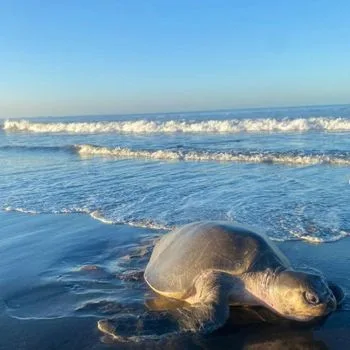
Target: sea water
x,y
285,171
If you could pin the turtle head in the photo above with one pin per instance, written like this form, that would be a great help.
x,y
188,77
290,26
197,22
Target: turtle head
x,y
302,296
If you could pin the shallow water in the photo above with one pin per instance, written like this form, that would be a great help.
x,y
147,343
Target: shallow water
x,y
286,171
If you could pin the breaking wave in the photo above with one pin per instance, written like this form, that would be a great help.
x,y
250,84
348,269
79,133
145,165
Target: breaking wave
x,y
184,126
340,158
290,157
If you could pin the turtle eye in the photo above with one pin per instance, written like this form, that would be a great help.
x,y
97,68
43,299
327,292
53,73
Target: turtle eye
x,y
311,298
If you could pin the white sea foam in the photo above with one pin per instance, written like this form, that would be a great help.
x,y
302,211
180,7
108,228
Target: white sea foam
x,y
234,156
96,215
335,236
181,126
21,210
332,236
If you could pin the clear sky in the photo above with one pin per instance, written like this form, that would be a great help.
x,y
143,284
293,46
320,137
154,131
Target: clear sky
x,y
73,57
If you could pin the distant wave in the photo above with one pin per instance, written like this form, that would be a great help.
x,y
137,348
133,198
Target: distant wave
x,y
291,157
180,126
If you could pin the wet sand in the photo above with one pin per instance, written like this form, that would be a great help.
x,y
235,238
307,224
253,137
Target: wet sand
x,y
59,274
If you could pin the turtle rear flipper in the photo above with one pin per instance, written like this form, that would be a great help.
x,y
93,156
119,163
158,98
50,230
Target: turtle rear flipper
x,y
147,326
152,325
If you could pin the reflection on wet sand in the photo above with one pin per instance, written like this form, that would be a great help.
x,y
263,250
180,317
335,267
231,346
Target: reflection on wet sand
x,y
239,333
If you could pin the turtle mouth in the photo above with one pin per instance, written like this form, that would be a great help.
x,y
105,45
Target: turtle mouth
x,y
308,318
317,312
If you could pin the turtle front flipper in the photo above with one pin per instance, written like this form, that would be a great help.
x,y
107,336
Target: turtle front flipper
x,y
208,310
203,318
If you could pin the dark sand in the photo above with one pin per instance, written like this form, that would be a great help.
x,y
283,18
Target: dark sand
x,y
46,300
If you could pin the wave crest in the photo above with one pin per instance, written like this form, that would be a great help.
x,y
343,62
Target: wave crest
x,y
181,126
292,157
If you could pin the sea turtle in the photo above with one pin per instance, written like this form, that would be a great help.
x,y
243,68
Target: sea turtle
x,y
212,265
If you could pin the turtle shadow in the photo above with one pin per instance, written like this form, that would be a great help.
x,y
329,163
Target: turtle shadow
x,y
256,327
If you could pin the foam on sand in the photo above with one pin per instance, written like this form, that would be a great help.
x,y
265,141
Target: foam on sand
x,y
96,215
331,235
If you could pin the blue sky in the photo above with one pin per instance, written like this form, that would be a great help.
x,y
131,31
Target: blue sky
x,y
129,56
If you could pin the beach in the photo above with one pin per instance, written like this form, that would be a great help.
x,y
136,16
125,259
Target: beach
x,y
84,199
61,273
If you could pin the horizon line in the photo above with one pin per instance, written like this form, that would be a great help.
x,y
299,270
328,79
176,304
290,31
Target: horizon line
x,y
178,112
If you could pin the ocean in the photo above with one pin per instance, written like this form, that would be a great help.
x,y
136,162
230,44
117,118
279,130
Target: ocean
x,y
286,171
83,199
